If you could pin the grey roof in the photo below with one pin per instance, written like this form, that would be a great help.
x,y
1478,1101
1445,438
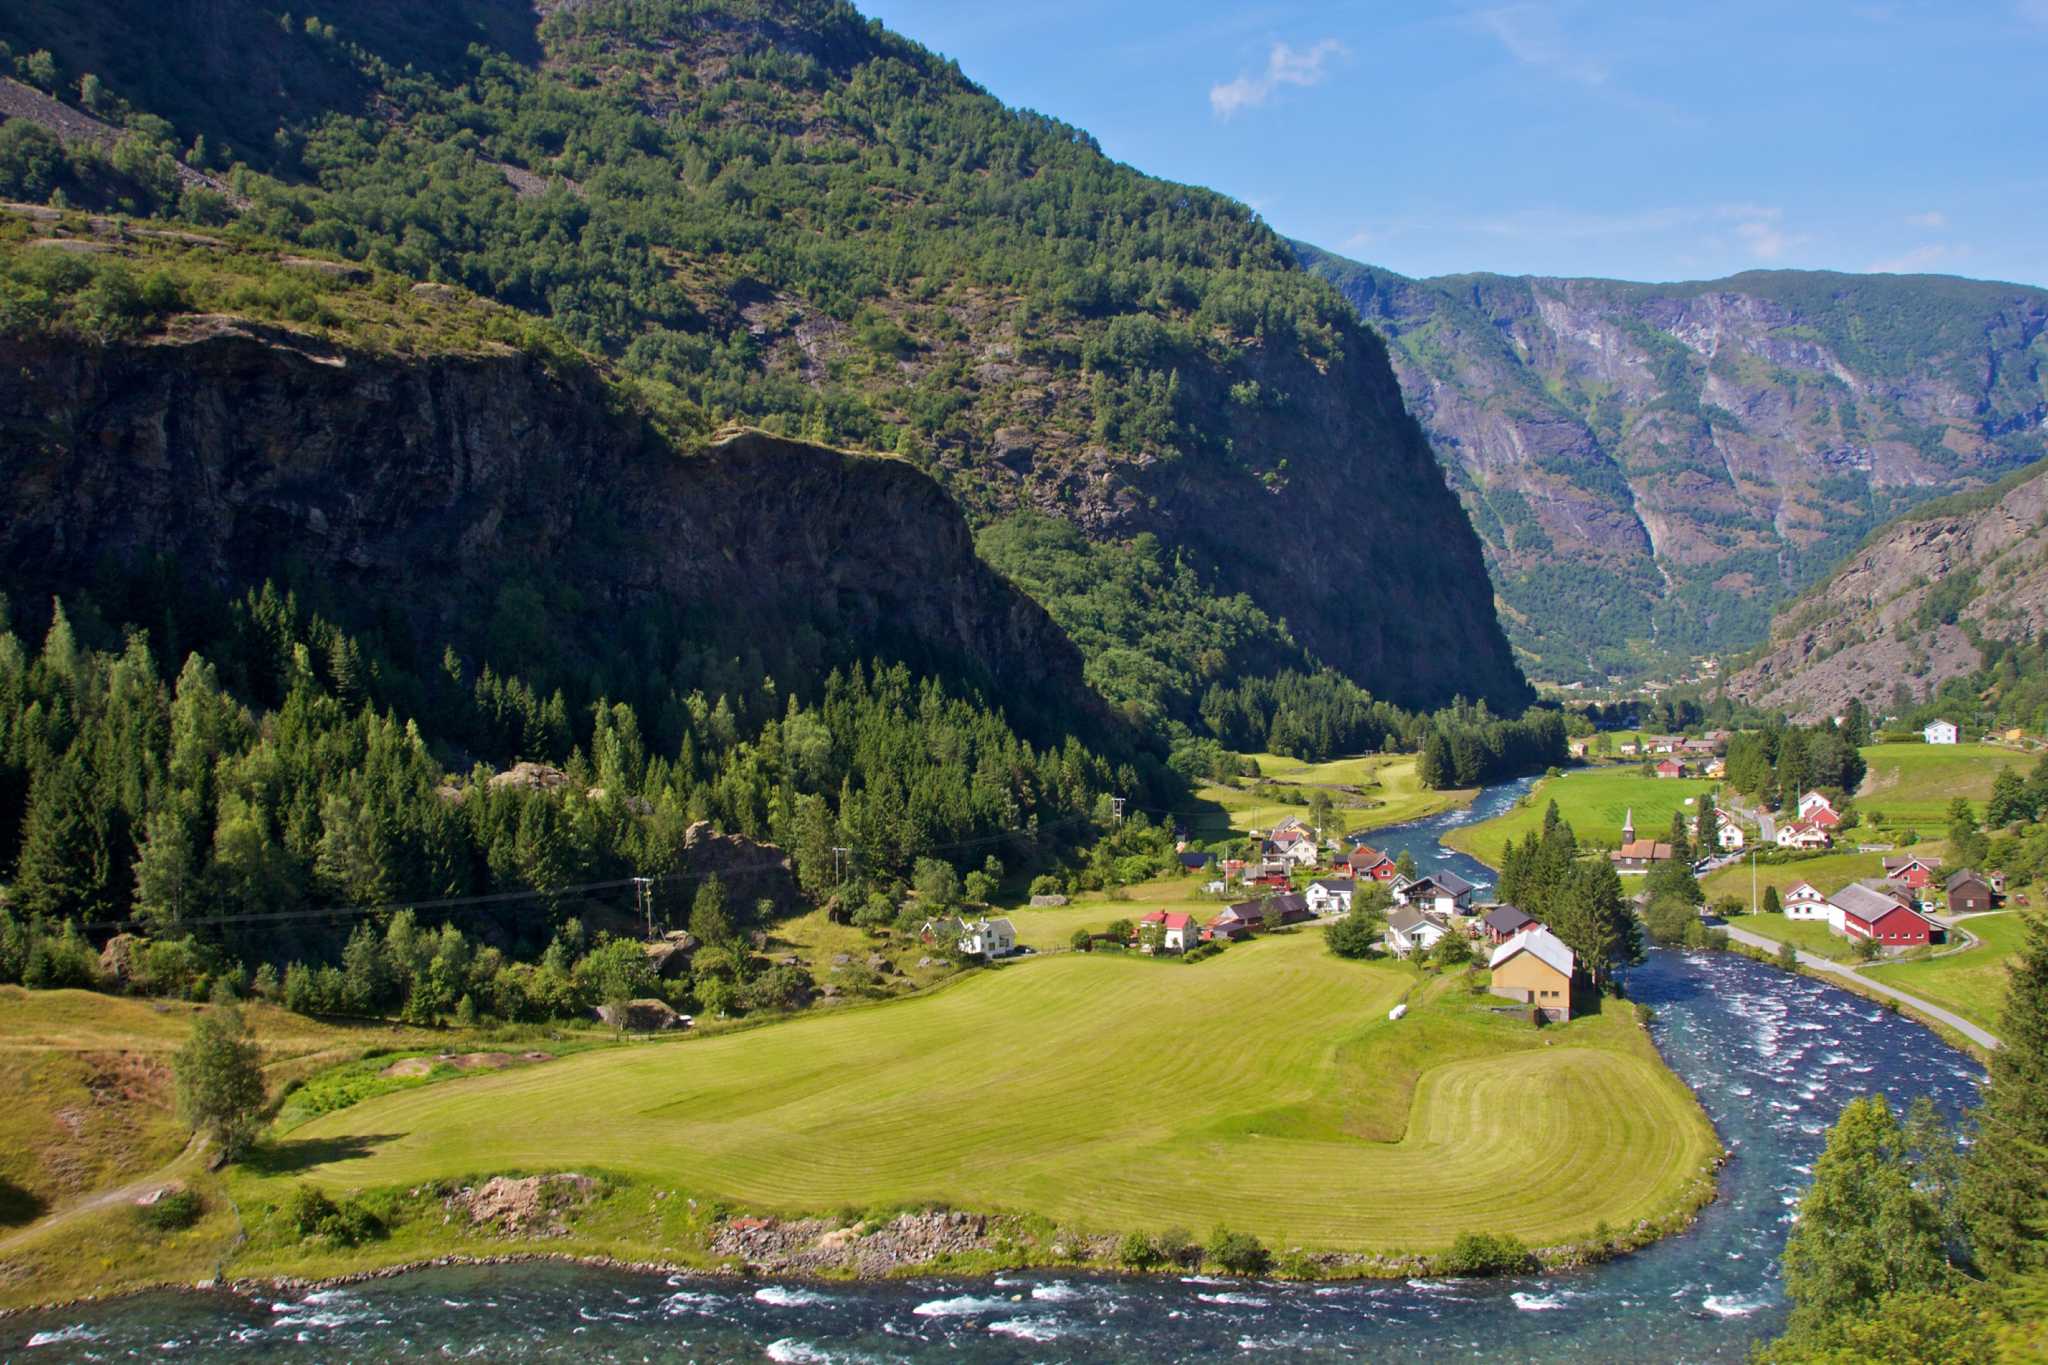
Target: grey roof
x,y
1865,903
1197,859
1286,903
1965,876
1506,919
1406,917
1540,944
1335,883
1450,883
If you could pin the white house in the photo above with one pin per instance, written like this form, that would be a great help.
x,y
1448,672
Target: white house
x,y
1727,833
1805,901
1410,930
1814,801
1803,834
1446,893
988,938
1300,852
1331,895
1941,732
1178,931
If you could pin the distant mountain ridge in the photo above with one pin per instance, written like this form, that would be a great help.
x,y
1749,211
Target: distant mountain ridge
x,y
1654,467
1896,618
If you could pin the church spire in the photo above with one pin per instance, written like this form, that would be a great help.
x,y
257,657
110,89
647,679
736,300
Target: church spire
x,y
1628,827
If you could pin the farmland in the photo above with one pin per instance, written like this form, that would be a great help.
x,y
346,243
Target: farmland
x,y
1594,802
1911,785
1828,871
1971,982
1389,784
1078,1087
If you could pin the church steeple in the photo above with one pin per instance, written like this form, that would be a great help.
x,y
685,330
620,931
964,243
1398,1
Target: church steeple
x,y
1628,827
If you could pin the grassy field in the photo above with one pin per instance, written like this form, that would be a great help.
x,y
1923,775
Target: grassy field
x,y
1912,784
1809,936
1828,871
1088,1089
1972,982
1388,781
1594,802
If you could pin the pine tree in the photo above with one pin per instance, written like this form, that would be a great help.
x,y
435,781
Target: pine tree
x,y
2005,1190
65,869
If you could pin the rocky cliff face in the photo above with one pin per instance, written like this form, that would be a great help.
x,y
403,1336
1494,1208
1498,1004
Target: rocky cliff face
x,y
1899,611
1655,467
435,484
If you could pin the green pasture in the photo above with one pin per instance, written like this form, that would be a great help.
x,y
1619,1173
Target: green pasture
x,y
1912,784
1388,782
1828,871
1594,801
1971,982
1807,935
1265,1088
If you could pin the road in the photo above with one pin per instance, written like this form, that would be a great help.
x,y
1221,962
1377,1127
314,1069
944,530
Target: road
x,y
1843,969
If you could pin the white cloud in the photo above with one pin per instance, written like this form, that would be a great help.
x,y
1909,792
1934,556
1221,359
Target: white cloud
x,y
1760,228
1933,220
1918,260
1285,65
1532,35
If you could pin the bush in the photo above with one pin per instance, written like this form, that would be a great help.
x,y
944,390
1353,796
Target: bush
x,y
1082,941
1485,1253
1045,884
1240,1253
174,1211
312,1214
1788,957
1355,935
1138,1251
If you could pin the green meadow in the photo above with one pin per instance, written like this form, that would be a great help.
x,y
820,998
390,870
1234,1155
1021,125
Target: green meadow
x,y
1971,982
1594,801
1912,784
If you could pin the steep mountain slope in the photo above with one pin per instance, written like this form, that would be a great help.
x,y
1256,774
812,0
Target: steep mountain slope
x,y
1655,467
775,211
411,475
1907,610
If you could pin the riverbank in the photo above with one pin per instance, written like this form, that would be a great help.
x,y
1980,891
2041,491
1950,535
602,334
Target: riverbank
x,y
1773,1057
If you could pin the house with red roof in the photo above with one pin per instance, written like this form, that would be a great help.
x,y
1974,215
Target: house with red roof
x,y
1178,931
1918,873
1370,862
1671,767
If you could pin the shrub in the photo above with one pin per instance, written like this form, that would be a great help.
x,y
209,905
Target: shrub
x,y
1485,1253
1138,1251
1082,941
1240,1253
171,1212
312,1214
1788,957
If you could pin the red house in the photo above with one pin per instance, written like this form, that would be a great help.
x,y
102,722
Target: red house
x,y
1671,767
1369,862
1873,915
1917,873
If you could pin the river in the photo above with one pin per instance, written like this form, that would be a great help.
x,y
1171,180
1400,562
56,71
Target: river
x,y
1772,1057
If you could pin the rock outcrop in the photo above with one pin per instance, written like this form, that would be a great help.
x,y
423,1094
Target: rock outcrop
x,y
1894,614
1654,468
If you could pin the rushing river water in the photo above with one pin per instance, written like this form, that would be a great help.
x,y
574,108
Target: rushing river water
x,y
1772,1058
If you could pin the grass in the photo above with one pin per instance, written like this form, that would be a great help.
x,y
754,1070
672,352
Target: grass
x,y
1088,1089
1912,784
1807,935
1828,871
1971,982
1391,793
1594,802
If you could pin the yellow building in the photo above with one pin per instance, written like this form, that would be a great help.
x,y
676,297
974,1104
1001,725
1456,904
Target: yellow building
x,y
1535,968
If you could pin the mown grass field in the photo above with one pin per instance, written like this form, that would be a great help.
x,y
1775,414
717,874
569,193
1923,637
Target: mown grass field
x,y
1265,1088
1912,784
1809,936
1389,781
1971,982
1594,802
1828,871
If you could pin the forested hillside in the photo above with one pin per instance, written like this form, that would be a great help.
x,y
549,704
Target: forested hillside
x,y
782,213
1655,468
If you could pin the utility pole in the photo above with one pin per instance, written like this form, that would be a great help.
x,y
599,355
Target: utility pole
x,y
842,863
1116,805
643,901
1753,906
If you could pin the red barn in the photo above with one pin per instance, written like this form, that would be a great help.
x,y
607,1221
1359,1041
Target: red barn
x,y
1894,926
1670,768
1914,872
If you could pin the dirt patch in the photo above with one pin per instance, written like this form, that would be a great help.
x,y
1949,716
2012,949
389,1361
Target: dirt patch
x,y
534,1206
464,1061
812,1245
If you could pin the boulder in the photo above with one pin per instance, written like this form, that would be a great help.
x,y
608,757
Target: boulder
x,y
117,959
641,1016
537,776
1047,902
671,954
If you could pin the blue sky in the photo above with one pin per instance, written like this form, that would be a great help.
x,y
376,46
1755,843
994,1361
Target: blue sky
x,y
1648,140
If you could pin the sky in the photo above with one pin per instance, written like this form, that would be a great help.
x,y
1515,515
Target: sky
x,y
1651,140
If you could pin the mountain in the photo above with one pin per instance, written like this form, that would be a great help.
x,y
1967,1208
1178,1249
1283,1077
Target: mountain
x,y
1654,468
778,213
1914,606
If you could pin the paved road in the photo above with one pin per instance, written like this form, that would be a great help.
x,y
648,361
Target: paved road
x,y
1829,967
